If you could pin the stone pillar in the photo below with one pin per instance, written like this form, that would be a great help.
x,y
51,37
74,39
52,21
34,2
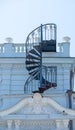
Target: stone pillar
x,y
62,124
17,124
9,124
58,125
66,46
66,124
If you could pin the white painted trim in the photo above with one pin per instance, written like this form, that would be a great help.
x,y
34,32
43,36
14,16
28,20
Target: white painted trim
x,y
30,100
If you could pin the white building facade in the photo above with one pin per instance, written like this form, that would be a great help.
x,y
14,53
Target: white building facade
x,y
51,110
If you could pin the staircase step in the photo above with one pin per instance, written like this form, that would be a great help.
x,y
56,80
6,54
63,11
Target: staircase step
x,y
33,72
35,69
31,67
32,57
31,62
37,49
37,77
34,51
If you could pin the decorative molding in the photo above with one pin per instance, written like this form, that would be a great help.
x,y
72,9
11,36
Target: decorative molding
x,y
62,124
17,123
21,124
9,123
66,65
66,124
39,105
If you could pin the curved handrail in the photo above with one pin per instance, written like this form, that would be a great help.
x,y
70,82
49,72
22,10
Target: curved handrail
x,y
38,28
28,81
30,78
41,27
28,87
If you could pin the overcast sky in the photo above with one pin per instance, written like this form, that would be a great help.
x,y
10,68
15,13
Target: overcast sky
x,y
19,17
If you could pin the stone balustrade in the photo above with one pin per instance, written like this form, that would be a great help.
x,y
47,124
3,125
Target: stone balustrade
x,y
12,49
42,125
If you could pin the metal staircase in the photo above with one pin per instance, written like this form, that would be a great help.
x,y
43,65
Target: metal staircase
x,y
41,39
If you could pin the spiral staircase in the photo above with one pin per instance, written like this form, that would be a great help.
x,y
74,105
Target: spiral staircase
x,y
41,39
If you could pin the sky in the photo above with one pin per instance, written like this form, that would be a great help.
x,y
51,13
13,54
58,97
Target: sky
x,y
19,17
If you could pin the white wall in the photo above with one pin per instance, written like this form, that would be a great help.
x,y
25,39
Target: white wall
x,y
13,73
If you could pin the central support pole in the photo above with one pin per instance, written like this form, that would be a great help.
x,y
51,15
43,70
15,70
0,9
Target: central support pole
x,y
41,57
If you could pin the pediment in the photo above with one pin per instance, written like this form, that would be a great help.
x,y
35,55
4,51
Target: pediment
x,y
38,105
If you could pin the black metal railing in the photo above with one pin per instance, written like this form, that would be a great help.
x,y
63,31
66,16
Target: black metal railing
x,y
41,39
34,38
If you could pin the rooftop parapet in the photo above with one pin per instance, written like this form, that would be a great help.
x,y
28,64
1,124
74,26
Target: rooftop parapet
x,y
10,49
64,46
